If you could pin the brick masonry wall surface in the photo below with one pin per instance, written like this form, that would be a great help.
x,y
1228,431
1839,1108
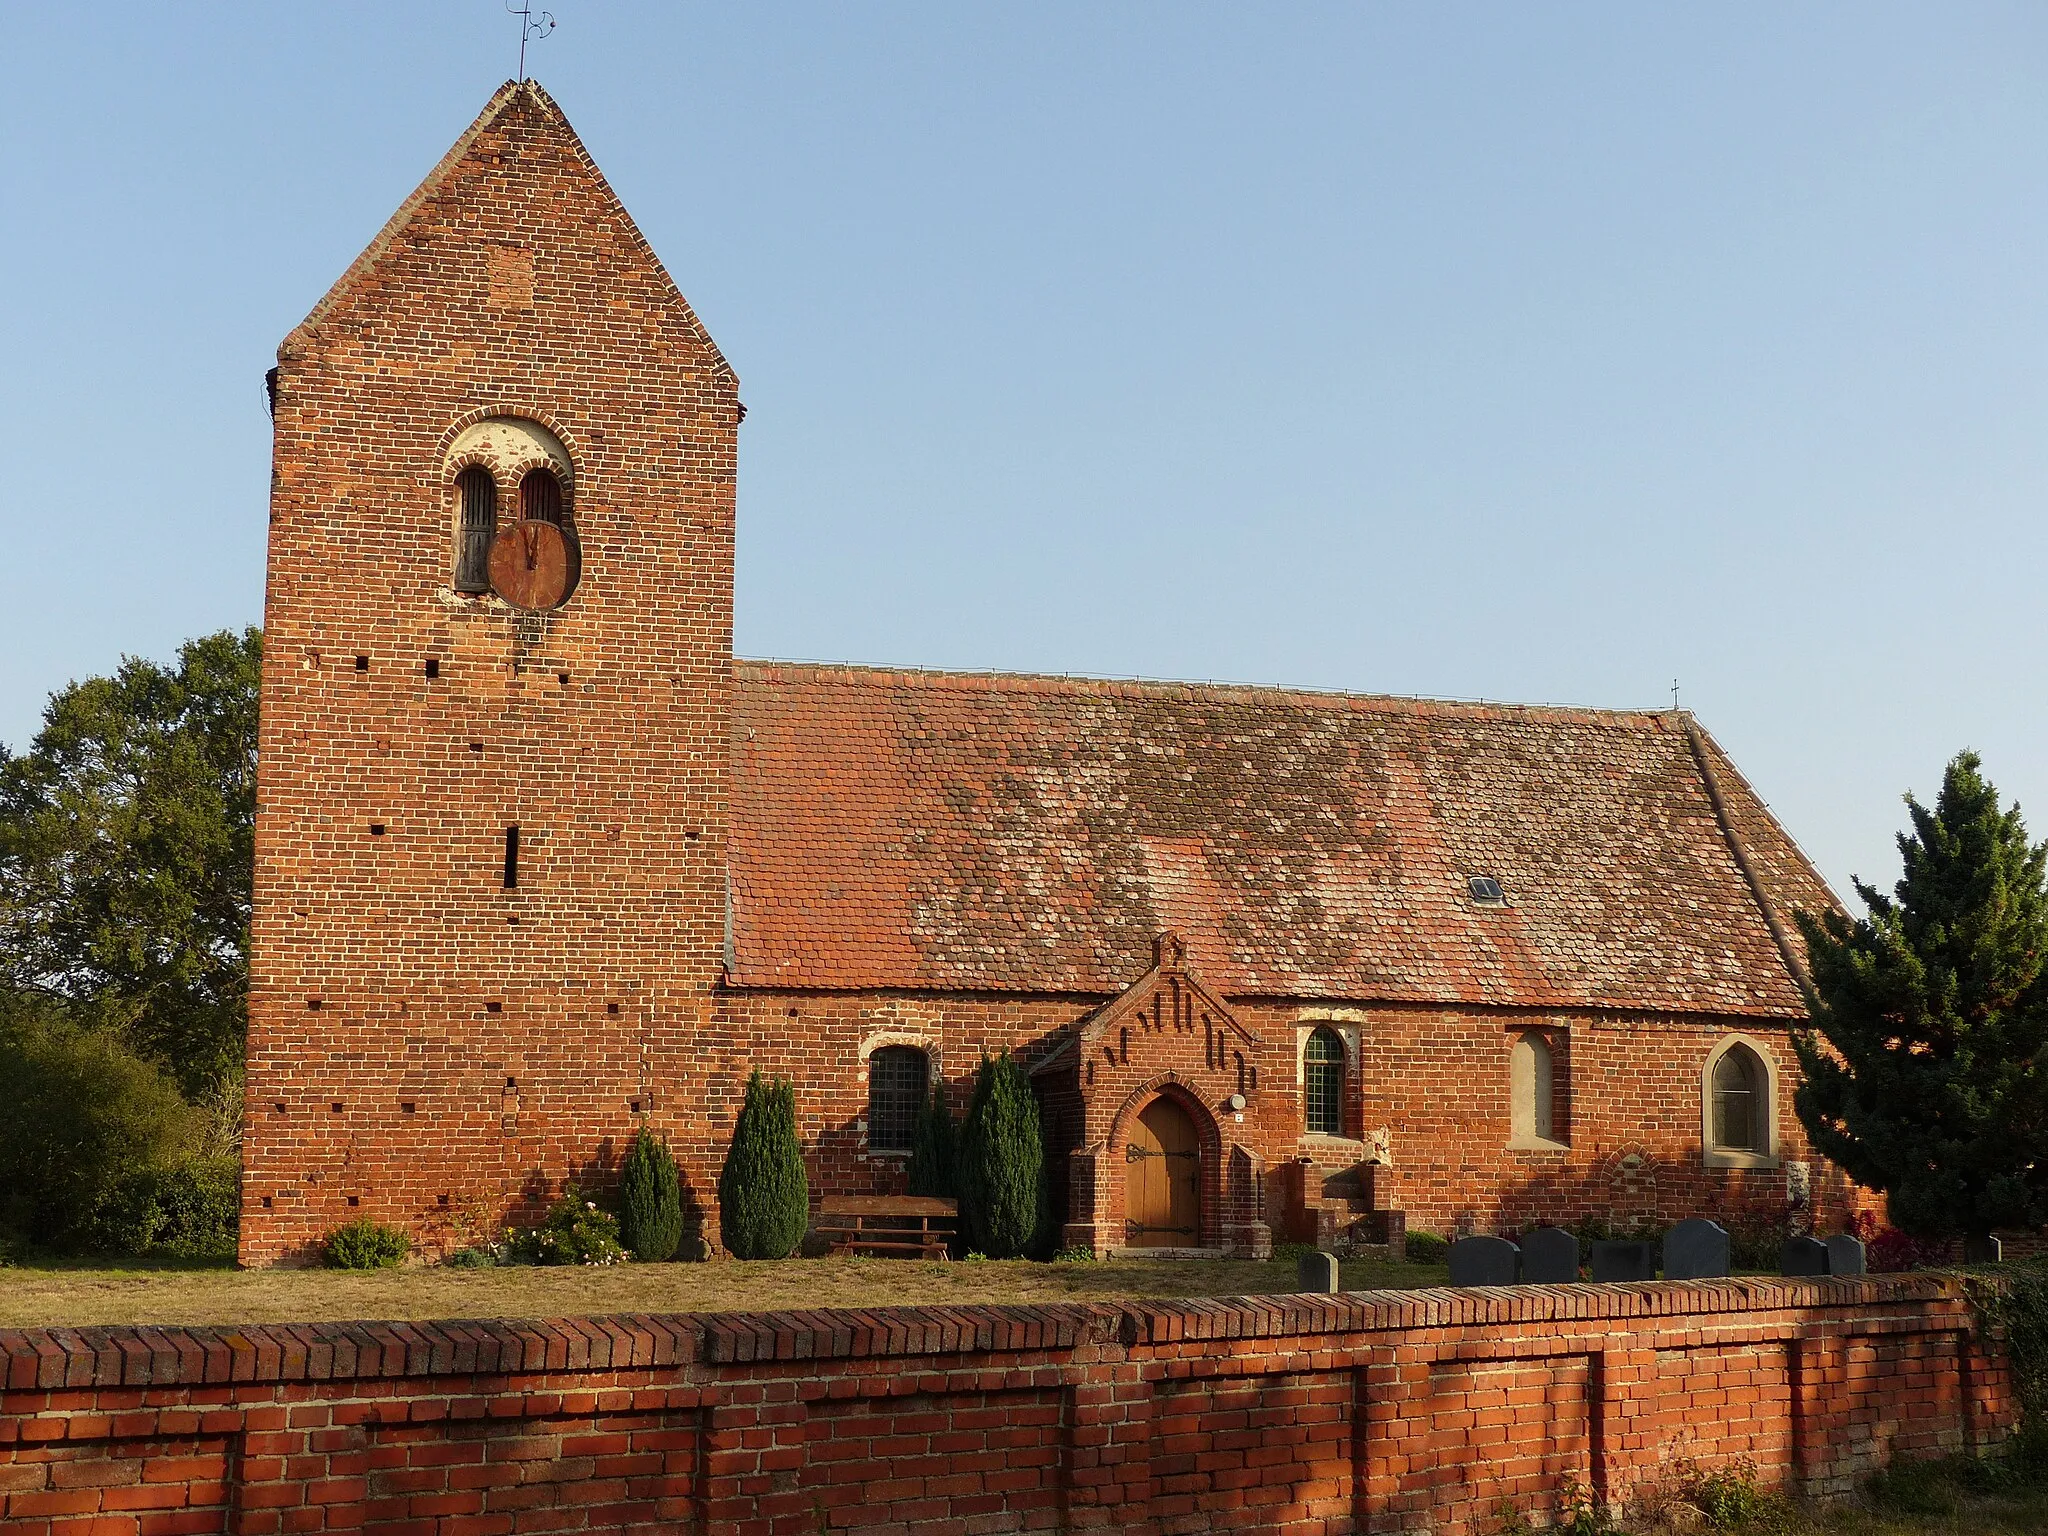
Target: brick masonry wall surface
x,y
1378,1412
1436,1080
1627,1102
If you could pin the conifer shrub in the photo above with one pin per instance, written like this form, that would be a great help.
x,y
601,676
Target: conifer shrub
x,y
935,1149
650,1200
764,1199
1002,1161
366,1244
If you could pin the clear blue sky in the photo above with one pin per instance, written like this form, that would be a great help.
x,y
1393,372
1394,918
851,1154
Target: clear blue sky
x,y
1536,353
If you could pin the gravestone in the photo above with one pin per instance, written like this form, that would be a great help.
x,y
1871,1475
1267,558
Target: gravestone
x,y
1316,1272
1983,1250
1615,1261
1804,1256
1696,1250
1550,1256
1484,1261
1845,1255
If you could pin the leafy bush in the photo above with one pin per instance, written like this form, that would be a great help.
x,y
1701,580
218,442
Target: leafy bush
x,y
650,1200
83,1114
575,1232
1756,1239
1732,1499
764,1199
1423,1248
1888,1251
366,1244
190,1209
1002,1164
483,1256
934,1149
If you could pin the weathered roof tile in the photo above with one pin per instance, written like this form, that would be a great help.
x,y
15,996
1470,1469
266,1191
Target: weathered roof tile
x,y
988,832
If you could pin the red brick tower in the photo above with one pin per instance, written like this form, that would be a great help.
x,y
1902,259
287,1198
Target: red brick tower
x,y
446,1012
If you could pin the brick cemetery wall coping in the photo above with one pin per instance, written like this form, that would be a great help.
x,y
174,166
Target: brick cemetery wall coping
x,y
1360,1411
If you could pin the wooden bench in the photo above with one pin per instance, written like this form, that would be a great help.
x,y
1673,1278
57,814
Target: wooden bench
x,y
888,1226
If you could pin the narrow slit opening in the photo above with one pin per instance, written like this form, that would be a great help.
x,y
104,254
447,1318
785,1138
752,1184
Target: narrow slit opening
x,y
511,858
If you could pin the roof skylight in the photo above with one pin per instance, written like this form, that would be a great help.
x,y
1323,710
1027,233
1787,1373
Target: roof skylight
x,y
1486,891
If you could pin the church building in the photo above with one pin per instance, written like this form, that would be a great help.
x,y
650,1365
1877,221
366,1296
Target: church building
x,y
539,861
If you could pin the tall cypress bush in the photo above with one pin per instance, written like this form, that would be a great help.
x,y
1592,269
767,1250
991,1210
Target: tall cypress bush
x,y
650,1200
934,1149
764,1200
1002,1162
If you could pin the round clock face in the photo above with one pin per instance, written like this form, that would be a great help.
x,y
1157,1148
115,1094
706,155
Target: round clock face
x,y
530,565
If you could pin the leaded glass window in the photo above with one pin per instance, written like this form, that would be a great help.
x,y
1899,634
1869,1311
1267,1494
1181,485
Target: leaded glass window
x,y
1738,1100
897,1079
1322,1073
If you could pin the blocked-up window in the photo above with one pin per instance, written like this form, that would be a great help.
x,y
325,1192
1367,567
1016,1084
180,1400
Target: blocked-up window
x,y
1531,1086
1322,1083
477,525
898,1078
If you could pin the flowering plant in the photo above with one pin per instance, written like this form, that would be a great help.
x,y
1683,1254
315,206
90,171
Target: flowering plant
x,y
575,1232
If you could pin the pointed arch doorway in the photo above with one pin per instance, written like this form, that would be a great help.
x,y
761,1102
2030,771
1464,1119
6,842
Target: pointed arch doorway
x,y
1163,1178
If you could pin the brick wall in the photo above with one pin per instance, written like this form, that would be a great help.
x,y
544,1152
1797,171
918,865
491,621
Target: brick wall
x,y
1435,1079
1391,1411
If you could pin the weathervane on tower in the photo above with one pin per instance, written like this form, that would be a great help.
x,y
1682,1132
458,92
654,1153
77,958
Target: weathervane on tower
x,y
532,24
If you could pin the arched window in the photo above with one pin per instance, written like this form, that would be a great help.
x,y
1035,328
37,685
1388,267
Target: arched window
x,y
1322,1083
1531,1087
1741,1101
898,1078
540,497
477,525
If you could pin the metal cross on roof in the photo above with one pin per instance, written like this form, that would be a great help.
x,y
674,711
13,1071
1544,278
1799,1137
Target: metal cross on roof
x,y
532,24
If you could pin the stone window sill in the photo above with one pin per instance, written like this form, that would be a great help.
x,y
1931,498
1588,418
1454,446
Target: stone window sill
x,y
1537,1144
1716,1157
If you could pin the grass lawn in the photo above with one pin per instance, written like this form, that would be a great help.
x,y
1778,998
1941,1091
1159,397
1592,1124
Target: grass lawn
x,y
80,1294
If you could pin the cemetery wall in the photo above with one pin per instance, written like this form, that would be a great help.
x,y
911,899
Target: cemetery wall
x,y
1375,1411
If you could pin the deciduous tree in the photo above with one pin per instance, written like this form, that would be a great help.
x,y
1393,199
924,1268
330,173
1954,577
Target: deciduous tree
x,y
127,835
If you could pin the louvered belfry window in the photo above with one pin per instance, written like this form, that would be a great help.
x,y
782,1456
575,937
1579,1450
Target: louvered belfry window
x,y
540,497
478,526
897,1079
1322,1083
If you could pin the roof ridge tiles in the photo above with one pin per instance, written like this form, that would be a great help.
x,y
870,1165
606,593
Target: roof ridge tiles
x,y
773,670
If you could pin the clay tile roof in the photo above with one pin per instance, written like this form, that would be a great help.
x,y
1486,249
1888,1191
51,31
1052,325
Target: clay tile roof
x,y
946,831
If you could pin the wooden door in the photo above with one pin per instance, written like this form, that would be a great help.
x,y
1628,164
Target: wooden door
x,y
1162,1179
